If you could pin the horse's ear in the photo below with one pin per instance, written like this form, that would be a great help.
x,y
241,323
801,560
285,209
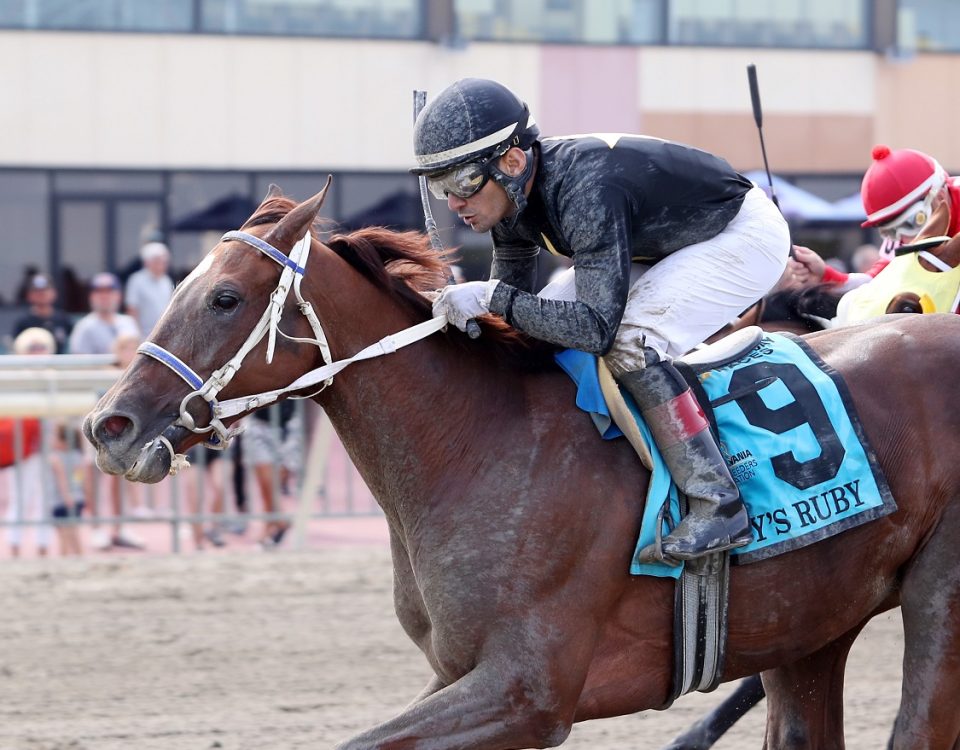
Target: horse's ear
x,y
273,191
296,223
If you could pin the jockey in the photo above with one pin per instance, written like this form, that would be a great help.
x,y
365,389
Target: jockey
x,y
668,244
901,192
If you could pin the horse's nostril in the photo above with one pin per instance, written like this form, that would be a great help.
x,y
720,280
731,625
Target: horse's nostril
x,y
113,427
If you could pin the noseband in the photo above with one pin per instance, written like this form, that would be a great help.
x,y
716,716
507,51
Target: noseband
x,y
294,269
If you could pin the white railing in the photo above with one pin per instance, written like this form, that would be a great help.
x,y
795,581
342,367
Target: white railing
x,y
61,389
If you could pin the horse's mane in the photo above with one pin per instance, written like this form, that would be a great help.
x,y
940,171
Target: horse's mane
x,y
405,265
803,305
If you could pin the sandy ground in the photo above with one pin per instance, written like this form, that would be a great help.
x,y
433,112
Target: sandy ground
x,y
246,651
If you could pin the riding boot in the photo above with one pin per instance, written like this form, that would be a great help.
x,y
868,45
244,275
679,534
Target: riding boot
x,y
717,519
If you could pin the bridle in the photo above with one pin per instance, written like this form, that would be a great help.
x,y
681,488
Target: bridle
x,y
294,269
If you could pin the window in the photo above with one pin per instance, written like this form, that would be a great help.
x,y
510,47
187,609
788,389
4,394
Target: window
x,y
117,15
26,225
928,25
357,18
590,21
759,23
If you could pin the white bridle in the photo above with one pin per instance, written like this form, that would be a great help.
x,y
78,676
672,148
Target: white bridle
x,y
294,269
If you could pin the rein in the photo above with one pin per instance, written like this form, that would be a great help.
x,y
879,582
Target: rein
x,y
294,269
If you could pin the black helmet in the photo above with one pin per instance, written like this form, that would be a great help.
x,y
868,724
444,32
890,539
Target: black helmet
x,y
472,119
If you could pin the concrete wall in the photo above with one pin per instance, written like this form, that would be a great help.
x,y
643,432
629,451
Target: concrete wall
x,y
139,100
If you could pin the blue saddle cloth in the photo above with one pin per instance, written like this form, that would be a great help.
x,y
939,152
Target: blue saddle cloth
x,y
791,438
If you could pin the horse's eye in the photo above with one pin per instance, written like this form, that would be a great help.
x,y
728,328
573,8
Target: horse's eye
x,y
224,301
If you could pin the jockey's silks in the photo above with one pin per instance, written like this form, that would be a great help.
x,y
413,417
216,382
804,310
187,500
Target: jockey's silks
x,y
903,274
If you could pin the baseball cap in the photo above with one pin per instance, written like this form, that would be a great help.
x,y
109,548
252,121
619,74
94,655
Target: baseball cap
x,y
39,281
104,281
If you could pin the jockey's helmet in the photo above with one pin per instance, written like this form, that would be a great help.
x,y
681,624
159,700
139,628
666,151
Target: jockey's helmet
x,y
460,134
898,190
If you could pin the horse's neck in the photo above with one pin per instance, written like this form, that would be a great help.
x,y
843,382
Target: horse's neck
x,y
948,252
404,418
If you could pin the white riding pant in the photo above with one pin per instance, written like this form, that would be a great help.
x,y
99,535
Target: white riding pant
x,y
683,299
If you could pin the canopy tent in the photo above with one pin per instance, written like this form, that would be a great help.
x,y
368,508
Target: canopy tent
x,y
228,212
851,208
798,205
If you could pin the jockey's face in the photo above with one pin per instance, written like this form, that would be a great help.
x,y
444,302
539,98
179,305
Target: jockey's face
x,y
928,217
484,209
490,205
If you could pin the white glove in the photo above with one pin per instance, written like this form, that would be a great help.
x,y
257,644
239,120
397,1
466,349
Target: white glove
x,y
460,303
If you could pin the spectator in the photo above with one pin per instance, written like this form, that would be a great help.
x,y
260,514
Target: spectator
x,y
206,458
864,258
25,477
41,296
96,331
149,290
106,331
269,447
65,464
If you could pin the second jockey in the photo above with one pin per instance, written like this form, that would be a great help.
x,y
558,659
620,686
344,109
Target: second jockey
x,y
904,192
668,244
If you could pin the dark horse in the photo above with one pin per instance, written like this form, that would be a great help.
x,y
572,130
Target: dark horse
x,y
512,525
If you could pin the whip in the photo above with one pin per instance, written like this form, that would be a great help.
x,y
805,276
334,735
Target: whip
x,y
758,118
419,101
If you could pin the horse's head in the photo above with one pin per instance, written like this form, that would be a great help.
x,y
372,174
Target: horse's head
x,y
222,317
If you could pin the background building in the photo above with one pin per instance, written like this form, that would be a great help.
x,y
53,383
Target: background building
x,y
124,119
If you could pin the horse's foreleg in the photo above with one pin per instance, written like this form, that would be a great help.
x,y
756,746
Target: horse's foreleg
x,y
714,725
434,686
805,699
494,707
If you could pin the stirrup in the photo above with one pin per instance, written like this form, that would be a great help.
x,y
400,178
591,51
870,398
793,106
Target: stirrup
x,y
653,553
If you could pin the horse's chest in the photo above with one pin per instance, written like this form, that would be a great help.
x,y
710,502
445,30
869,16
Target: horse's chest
x,y
442,619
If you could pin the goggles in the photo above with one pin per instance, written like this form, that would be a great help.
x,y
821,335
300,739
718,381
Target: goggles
x,y
909,223
463,181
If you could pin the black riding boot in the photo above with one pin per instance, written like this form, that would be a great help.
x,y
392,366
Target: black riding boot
x,y
717,519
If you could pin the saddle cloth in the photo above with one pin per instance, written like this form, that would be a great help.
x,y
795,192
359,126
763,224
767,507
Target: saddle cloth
x,y
789,433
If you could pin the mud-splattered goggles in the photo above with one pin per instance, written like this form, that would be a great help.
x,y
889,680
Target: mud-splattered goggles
x,y
463,181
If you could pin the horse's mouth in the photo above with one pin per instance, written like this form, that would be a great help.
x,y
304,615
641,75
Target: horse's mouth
x,y
150,463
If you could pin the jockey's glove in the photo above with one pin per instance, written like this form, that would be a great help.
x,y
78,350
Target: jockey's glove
x,y
460,303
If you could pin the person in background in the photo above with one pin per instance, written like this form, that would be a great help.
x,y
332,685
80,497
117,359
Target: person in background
x,y
121,335
205,459
270,447
96,331
41,296
864,258
25,478
65,464
149,290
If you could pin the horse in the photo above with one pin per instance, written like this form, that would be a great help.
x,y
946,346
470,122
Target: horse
x,y
512,525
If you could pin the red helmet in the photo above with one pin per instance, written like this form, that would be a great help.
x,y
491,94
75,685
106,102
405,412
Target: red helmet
x,y
896,180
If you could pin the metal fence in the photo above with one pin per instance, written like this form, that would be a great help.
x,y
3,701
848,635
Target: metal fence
x,y
247,484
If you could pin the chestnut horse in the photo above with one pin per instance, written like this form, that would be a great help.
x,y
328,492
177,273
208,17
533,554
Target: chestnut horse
x,y
512,524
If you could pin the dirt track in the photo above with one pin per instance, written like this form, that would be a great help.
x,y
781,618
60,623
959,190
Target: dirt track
x,y
263,651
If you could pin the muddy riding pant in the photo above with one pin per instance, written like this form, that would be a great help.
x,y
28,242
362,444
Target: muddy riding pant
x,y
691,294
